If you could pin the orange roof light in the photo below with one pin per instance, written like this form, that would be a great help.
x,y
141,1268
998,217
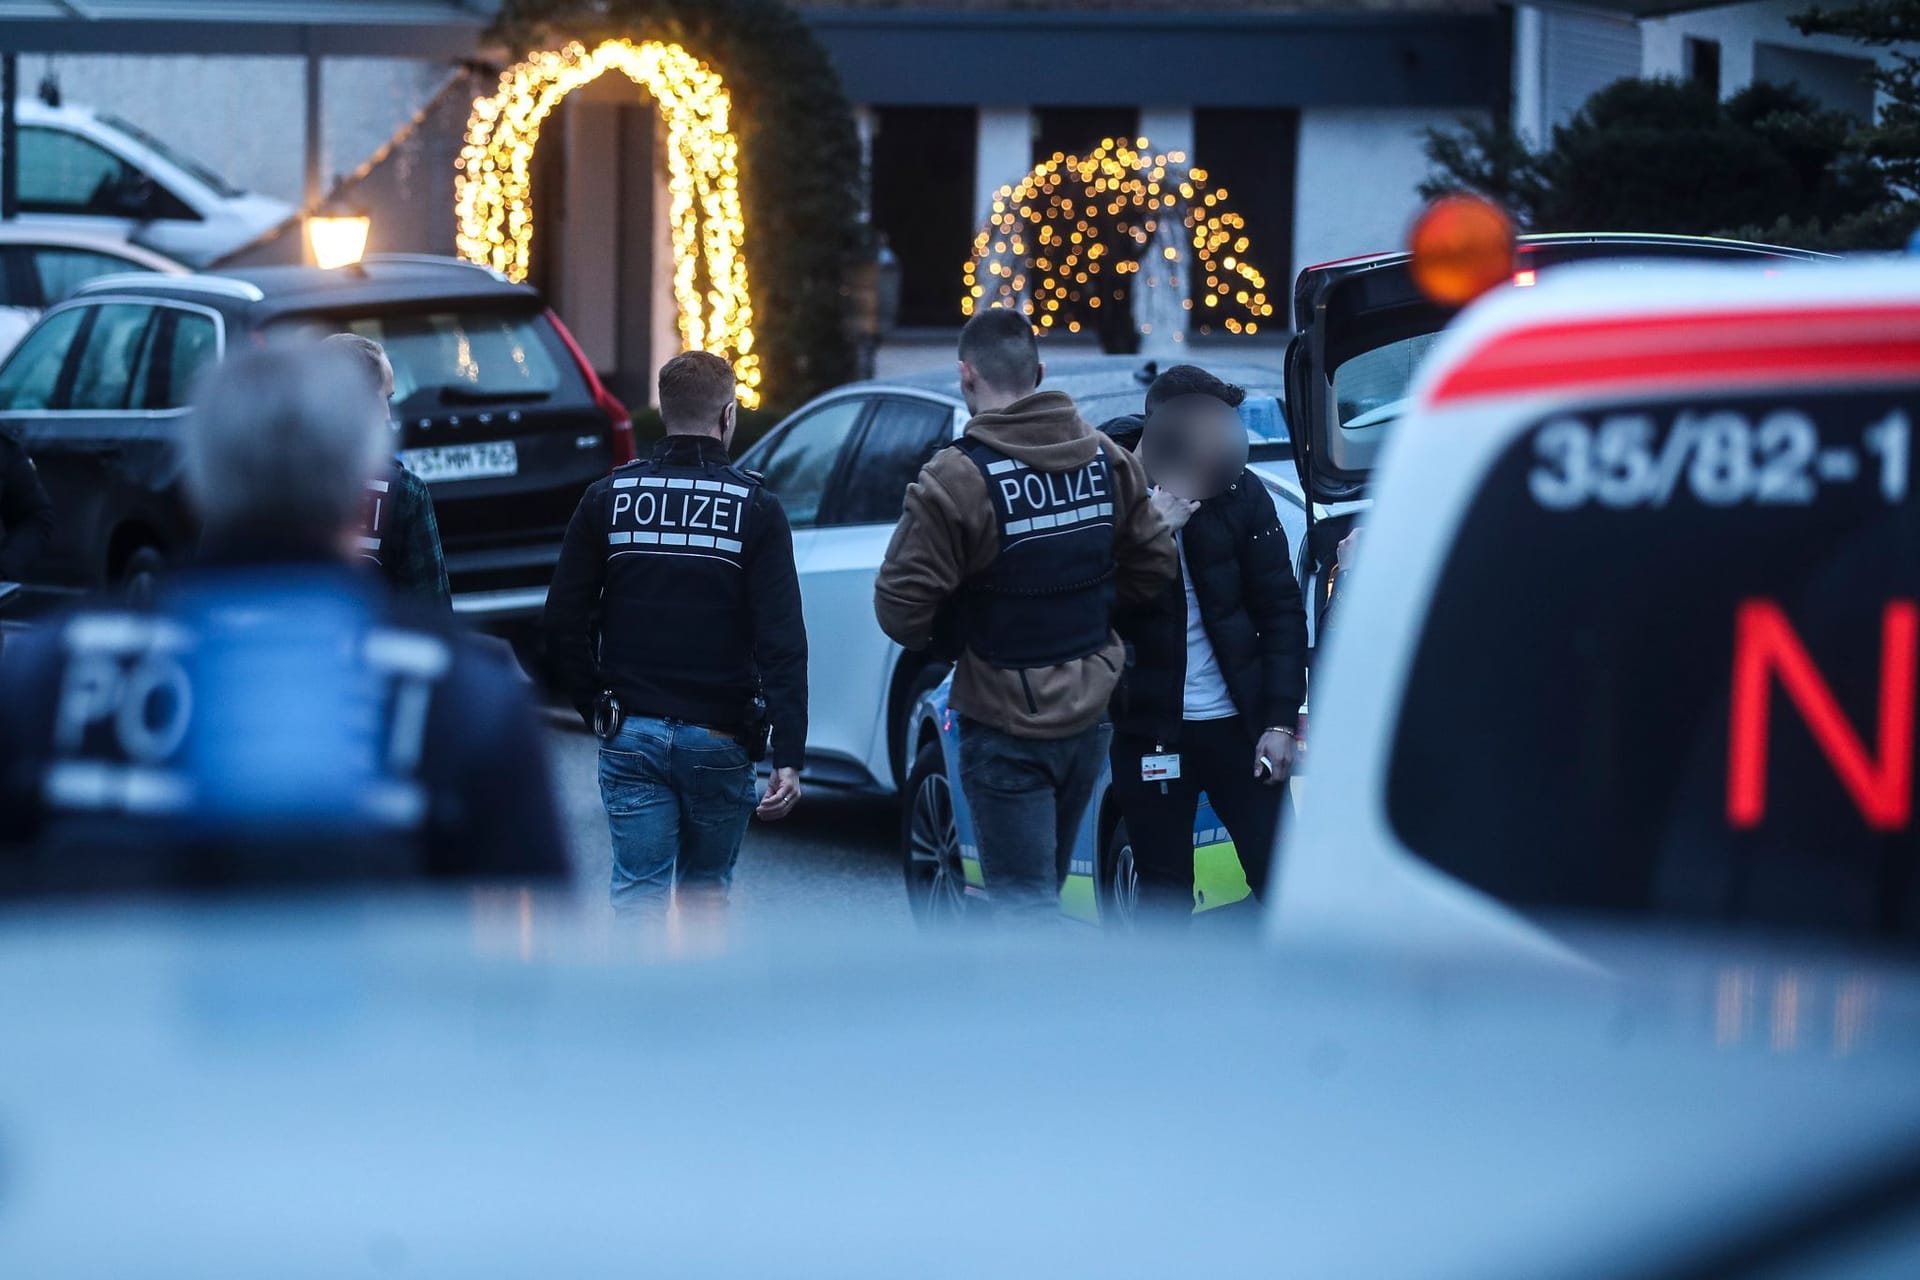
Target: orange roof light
x,y
1462,246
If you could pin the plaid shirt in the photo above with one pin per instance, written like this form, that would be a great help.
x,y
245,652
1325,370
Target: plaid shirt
x,y
408,540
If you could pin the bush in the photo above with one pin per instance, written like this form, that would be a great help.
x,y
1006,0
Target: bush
x,y
1666,156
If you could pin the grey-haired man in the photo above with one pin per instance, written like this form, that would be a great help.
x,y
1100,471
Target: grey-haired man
x,y
274,718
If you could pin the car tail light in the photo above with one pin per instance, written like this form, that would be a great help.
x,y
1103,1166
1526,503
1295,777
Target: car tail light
x,y
1300,731
622,448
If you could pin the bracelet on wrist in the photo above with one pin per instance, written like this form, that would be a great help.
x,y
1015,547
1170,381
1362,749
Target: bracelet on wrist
x,y
1280,728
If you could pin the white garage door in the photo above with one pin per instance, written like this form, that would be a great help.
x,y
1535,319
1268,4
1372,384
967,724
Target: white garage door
x,y
1584,52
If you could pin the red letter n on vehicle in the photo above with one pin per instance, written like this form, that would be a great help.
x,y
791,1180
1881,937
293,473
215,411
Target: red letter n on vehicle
x,y
1766,646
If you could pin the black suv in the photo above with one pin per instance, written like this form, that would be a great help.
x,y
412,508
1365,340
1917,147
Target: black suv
x,y
494,406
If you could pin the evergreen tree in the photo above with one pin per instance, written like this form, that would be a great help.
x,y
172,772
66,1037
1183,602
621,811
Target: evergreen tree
x,y
1892,142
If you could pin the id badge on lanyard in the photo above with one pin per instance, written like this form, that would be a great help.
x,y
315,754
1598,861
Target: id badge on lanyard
x,y
1160,768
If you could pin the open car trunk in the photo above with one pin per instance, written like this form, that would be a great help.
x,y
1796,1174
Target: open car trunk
x,y
1364,330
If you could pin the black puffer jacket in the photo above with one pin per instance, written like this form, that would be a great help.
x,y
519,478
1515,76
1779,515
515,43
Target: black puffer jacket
x,y
1251,605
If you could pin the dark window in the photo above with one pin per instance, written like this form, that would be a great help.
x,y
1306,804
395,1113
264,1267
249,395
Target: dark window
x,y
900,438
182,343
800,462
922,182
61,270
115,347
1703,63
31,375
62,172
1834,80
1669,664
1250,154
196,342
450,358
1075,131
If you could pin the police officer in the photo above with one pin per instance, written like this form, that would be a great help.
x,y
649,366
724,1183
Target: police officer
x,y
399,534
1021,539
275,717
674,626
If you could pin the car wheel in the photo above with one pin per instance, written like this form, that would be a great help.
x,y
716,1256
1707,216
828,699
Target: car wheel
x,y
1119,880
936,884
140,575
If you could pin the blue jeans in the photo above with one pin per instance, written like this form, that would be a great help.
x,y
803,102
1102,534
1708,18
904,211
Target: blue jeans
x,y
1027,797
678,799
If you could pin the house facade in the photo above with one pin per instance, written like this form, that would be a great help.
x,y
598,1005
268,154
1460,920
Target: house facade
x,y
1309,114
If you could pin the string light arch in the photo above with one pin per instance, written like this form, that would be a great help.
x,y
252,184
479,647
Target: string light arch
x,y
1083,236
493,183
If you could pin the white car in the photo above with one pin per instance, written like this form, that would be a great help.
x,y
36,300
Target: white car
x,y
841,465
1632,631
41,266
330,1086
85,171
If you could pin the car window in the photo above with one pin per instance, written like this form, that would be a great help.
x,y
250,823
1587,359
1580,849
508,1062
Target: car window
x,y
61,270
196,342
1370,395
445,358
1668,668
178,159
182,343
799,465
114,348
1264,418
62,172
31,374
900,437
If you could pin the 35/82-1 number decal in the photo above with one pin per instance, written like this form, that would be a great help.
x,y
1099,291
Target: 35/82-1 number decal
x,y
1720,457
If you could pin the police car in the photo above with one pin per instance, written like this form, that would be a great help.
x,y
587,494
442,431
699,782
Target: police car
x,y
1634,631
841,465
318,1088
1366,329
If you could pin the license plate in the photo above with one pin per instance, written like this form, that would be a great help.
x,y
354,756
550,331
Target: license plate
x,y
463,461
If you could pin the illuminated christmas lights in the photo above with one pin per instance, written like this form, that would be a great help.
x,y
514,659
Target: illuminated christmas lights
x,y
493,183
1124,211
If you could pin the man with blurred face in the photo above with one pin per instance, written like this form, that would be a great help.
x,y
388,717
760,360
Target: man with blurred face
x,y
399,535
1211,700
275,717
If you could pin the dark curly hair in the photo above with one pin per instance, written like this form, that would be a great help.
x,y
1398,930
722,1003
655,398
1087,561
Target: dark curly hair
x,y
1192,380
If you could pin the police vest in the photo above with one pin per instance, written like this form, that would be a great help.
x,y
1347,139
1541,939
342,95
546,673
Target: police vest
x,y
698,510
287,710
1048,597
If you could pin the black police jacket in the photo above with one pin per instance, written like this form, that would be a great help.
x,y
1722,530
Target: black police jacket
x,y
676,590
266,724
1251,606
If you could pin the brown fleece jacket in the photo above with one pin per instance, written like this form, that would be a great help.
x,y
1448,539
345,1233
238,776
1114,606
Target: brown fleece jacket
x,y
949,535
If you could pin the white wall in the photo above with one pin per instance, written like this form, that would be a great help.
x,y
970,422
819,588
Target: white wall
x,y
1003,154
1358,170
244,118
1737,27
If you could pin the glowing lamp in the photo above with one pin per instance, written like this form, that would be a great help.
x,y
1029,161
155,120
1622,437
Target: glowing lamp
x,y
338,239
1462,246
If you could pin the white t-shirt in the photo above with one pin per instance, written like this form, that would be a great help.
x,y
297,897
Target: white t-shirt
x,y
1206,695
